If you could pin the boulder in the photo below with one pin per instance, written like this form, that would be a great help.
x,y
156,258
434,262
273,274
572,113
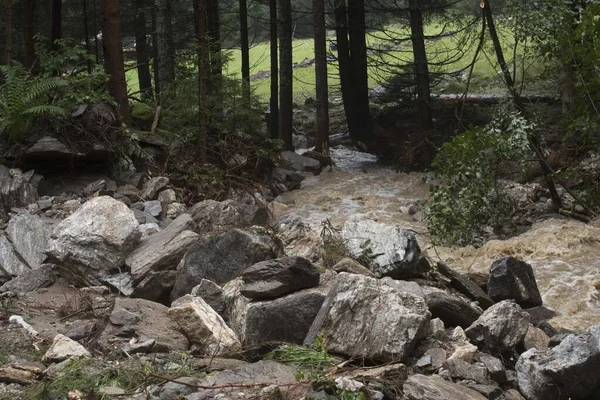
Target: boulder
x,y
156,286
221,257
129,191
434,387
364,318
30,281
570,370
16,190
152,187
167,196
465,286
500,328
535,339
11,264
29,236
95,240
511,278
212,294
494,366
214,216
204,327
462,370
164,250
153,207
352,266
147,230
296,162
64,348
394,251
453,309
274,278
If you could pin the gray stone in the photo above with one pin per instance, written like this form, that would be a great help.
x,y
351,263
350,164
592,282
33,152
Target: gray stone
x,y
513,394
395,251
167,196
130,192
296,162
81,329
490,392
494,366
212,294
362,318
353,267
30,281
94,188
122,282
223,257
535,339
16,190
214,216
451,308
567,371
143,217
465,286
274,278
45,203
95,240
156,286
140,347
147,230
404,286
174,210
152,187
64,348
511,278
459,369
153,207
11,264
164,250
434,387
500,328
174,390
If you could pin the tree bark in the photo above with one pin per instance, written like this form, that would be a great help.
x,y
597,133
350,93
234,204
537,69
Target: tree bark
x,y
56,22
155,55
214,34
322,134
86,33
28,34
141,50
274,104
201,11
9,32
245,49
113,55
286,75
345,69
164,33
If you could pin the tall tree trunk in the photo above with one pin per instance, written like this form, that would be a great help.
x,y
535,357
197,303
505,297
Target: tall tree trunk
x,y
9,32
164,32
245,48
155,55
533,139
360,77
421,67
322,135
141,50
28,34
201,13
56,22
113,55
286,75
343,57
86,33
96,45
274,105
214,35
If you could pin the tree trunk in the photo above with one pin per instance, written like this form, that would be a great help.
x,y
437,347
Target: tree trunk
x,y
214,34
9,32
141,50
322,134
56,22
533,139
245,48
286,75
164,33
421,68
274,105
96,45
343,56
28,34
201,11
86,33
113,55
155,55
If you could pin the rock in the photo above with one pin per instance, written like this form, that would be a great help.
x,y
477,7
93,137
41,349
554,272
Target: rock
x,y
511,278
29,236
296,162
204,327
494,366
437,329
174,210
434,387
152,187
404,286
10,374
459,369
353,267
174,390
16,190
143,217
362,318
540,314
147,230
513,394
81,329
10,263
452,309
214,216
156,286
153,207
274,278
143,320
490,392
212,294
567,371
95,240
500,328
167,196
130,192
164,250
465,351
395,251
30,281
536,339
94,188
122,282
465,286
223,257
45,203
64,348
395,373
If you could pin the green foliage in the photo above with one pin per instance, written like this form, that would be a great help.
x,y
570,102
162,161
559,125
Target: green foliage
x,y
587,174
23,98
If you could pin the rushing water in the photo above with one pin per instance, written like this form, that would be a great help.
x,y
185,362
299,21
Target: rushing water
x,y
565,254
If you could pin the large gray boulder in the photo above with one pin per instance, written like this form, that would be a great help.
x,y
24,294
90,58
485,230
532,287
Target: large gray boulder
x,y
501,327
94,240
11,264
365,318
570,370
32,280
163,250
395,251
511,278
29,236
434,387
274,278
465,286
215,216
16,190
221,257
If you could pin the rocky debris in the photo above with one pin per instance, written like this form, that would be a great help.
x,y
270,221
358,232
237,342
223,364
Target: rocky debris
x,y
10,263
203,327
100,187
167,196
147,230
81,329
29,281
152,187
352,267
174,210
221,257
434,387
394,251
453,309
164,250
465,286
286,180
494,366
363,318
139,321
462,370
212,294
17,189
156,286
511,278
215,216
14,374
95,240
567,371
153,207
64,348
295,162
274,278
29,236
143,217
121,282
500,328
296,236
131,192
535,339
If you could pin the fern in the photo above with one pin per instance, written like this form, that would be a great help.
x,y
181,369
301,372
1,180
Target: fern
x,y
23,98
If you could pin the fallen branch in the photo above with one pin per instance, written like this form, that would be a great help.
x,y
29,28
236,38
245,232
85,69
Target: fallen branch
x,y
156,119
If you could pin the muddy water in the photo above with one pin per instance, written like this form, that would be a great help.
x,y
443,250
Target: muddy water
x,y
565,254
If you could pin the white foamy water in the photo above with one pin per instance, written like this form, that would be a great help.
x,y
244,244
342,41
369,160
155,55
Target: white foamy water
x,y
564,254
